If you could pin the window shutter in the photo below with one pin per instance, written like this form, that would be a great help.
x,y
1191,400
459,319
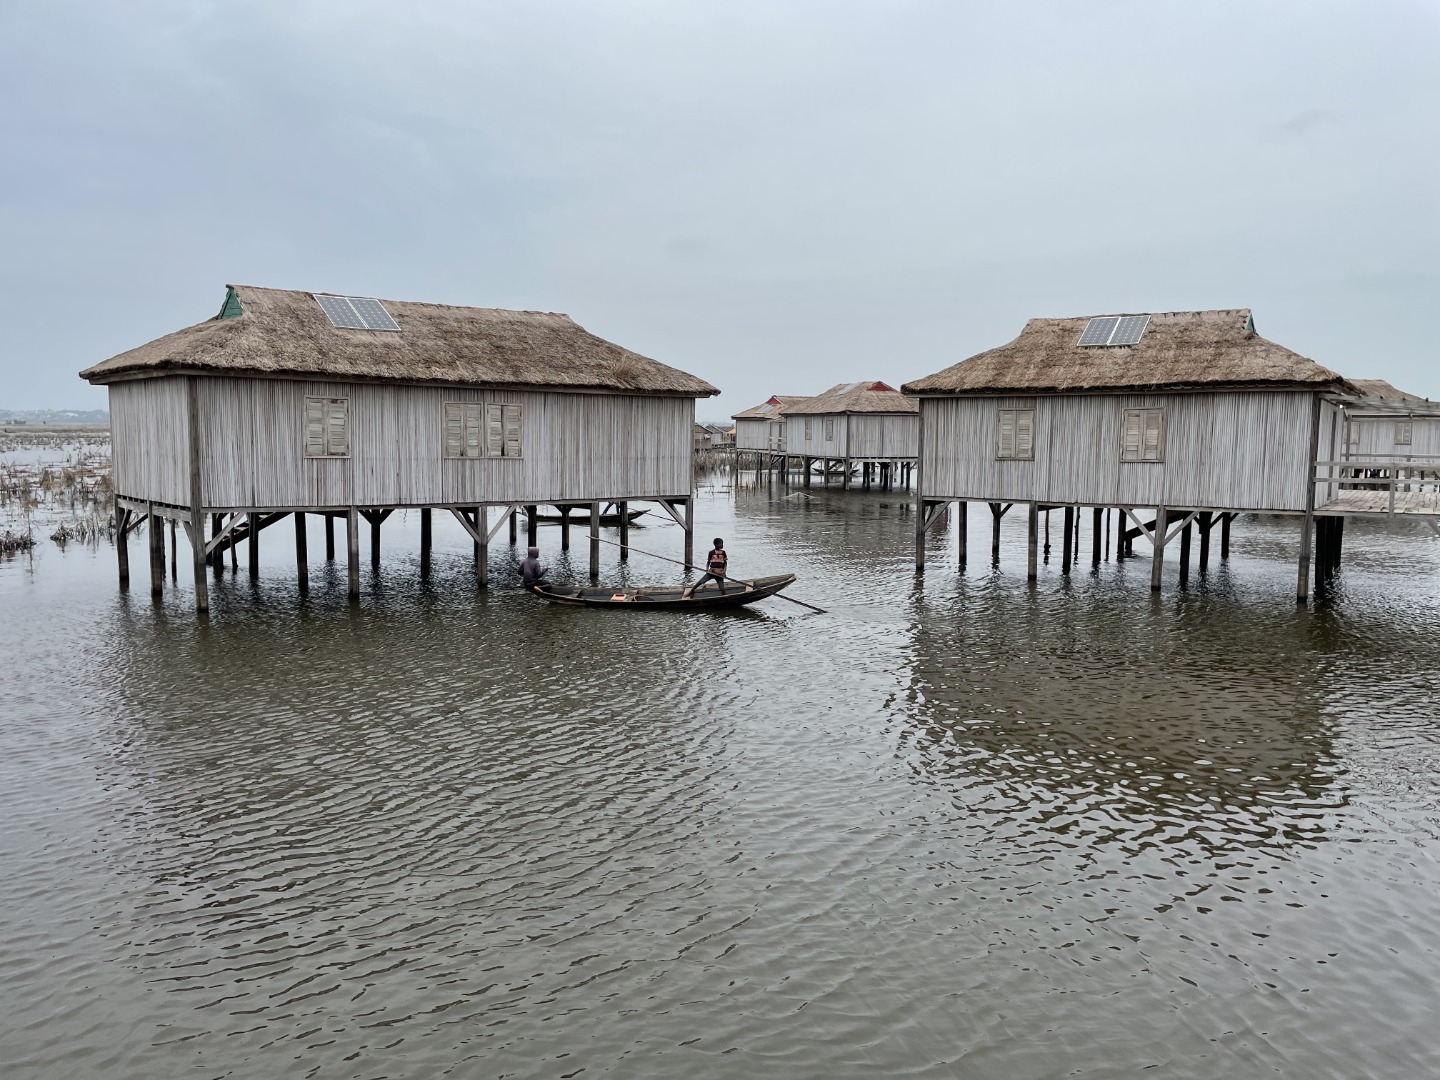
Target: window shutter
x,y
829,430
472,444
512,430
337,427
494,430
808,429
1152,447
454,429
1130,439
314,427
1403,433
1007,434
1025,434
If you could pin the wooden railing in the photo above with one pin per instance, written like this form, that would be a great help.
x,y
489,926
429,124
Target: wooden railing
x,y
1378,474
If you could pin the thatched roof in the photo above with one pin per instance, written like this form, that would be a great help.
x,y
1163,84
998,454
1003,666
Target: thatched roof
x,y
1179,350
284,333
866,396
1382,392
772,409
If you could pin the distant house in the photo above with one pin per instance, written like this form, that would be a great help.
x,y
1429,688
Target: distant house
x,y
762,428
866,423
293,403
1187,412
1387,423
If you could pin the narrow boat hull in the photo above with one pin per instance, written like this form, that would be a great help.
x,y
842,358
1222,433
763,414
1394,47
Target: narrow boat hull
x,y
668,597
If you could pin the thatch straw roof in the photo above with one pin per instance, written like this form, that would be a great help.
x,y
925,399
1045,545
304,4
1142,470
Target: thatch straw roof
x,y
1380,391
772,409
1179,350
284,333
866,396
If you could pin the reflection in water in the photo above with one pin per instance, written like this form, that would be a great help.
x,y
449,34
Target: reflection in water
x,y
958,826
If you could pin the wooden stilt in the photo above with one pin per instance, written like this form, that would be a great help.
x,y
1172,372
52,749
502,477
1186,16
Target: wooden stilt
x,y
234,552
1047,536
122,544
1225,520
426,539
1339,541
475,544
514,526
1032,562
302,553
624,508
1307,523
845,476
174,552
252,543
1096,548
352,550
1157,561
1185,554
1068,549
1107,532
155,534
375,522
595,541
690,532
1206,521
329,537
195,527
482,548
564,528
532,527
808,464
995,515
922,509
962,523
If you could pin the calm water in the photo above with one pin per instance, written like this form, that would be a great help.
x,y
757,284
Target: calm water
x,y
958,828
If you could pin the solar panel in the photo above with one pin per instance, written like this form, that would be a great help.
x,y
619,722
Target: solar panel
x,y
1129,330
1099,329
355,312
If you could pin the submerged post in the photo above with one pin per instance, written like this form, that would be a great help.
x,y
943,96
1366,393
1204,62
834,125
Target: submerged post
x,y
1225,520
352,550
196,529
1158,560
690,532
595,541
564,527
329,537
514,527
624,508
154,533
122,544
1207,522
962,515
1096,518
1067,550
375,520
174,552
1185,553
995,513
532,527
482,546
302,553
252,540
1032,564
1307,525
921,509
426,524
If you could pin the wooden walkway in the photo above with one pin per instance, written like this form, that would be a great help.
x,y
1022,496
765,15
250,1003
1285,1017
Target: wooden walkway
x,y
1414,503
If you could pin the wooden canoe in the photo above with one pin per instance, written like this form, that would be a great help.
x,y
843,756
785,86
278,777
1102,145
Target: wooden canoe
x,y
667,597
583,520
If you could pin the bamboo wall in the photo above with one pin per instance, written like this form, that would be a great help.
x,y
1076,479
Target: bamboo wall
x,y
868,436
756,434
576,447
1242,451
1376,437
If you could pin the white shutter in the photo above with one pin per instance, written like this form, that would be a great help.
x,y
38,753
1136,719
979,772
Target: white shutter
x,y
454,429
337,427
1404,433
1152,446
1025,434
512,431
829,430
808,429
314,427
1006,449
473,444
494,431
1131,435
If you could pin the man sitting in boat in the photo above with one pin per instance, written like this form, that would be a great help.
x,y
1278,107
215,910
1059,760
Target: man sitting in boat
x,y
532,573
715,564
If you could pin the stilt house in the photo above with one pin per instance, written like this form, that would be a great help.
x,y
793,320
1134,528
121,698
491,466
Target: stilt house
x,y
762,428
1190,413
1387,423
865,423
293,403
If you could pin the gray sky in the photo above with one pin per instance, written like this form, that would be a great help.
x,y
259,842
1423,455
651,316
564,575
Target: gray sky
x,y
774,195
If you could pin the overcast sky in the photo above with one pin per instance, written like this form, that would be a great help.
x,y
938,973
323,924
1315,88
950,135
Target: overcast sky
x,y
776,195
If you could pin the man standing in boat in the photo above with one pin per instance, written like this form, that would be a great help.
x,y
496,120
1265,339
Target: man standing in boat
x,y
532,573
715,563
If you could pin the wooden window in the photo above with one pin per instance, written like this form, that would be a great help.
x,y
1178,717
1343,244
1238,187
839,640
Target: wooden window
x,y
1016,435
327,427
1404,432
809,430
1353,433
1143,435
475,429
829,429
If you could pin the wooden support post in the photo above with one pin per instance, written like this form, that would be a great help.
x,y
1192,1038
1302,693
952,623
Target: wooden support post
x,y
595,541
252,541
155,534
1157,561
514,526
1068,549
1032,562
302,553
1047,536
995,514
122,544
375,521
1225,520
1185,554
1339,541
174,552
329,537
808,463
352,550
1307,524
845,477
1096,547
532,527
426,538
962,523
482,547
216,558
1206,521
474,515
690,532
196,529
234,546
564,528
624,508
1107,532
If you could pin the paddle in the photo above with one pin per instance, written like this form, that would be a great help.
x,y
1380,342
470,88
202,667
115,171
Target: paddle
x,y
677,562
